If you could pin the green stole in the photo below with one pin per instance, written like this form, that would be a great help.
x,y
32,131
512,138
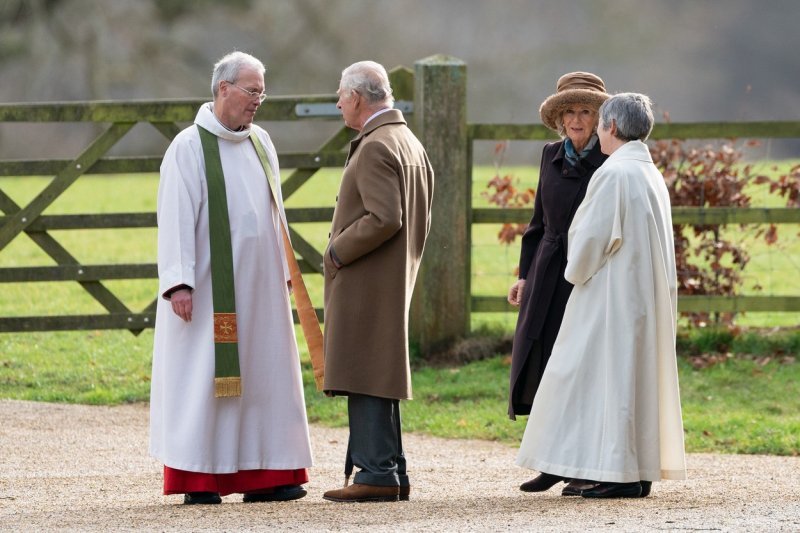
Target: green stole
x,y
227,374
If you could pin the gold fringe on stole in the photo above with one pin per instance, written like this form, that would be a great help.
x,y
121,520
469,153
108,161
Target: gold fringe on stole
x,y
227,387
307,315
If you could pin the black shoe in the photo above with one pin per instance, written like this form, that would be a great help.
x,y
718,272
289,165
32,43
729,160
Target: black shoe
x,y
614,490
541,483
576,486
646,486
405,493
201,498
283,493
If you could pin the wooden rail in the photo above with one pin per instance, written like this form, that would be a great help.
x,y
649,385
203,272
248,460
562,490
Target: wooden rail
x,y
433,97
167,117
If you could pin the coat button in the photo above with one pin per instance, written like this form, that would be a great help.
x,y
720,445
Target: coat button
x,y
565,172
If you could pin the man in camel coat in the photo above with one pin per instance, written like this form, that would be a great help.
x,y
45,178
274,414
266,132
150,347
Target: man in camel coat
x,y
380,224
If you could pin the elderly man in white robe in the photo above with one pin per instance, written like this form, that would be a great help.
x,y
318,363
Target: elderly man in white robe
x,y
227,412
614,357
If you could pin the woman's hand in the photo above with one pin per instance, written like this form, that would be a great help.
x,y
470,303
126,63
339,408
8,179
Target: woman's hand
x,y
515,292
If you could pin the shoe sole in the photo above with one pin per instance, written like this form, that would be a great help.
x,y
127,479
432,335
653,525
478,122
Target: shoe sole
x,y
636,494
276,498
363,500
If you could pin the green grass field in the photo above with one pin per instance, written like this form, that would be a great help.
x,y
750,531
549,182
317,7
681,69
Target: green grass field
x,y
739,405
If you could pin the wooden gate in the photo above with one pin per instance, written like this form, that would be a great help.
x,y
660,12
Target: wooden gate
x,y
436,95
119,118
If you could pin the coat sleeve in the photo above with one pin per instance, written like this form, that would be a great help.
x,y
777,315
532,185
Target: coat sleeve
x,y
596,230
378,182
180,199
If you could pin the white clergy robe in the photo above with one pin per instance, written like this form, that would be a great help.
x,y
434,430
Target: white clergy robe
x,y
190,429
608,407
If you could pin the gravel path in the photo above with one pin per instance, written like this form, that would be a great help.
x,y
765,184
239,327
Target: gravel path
x,y
75,467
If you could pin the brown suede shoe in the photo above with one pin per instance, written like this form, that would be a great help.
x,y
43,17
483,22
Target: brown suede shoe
x,y
359,492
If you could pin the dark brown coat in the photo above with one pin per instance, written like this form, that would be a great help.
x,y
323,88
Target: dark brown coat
x,y
542,261
380,224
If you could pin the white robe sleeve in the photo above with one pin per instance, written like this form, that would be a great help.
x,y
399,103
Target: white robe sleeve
x,y
180,199
596,230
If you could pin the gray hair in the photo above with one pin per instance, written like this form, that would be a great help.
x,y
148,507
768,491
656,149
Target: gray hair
x,y
370,80
633,113
227,69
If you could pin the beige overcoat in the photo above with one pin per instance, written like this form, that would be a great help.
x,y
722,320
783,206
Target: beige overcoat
x,y
381,221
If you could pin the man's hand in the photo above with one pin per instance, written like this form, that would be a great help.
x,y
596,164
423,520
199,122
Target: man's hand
x,y
182,304
335,259
515,292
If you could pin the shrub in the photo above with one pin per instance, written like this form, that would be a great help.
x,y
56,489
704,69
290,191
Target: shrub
x,y
708,263
711,176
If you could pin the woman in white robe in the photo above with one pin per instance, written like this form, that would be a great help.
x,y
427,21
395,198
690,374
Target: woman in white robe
x,y
614,357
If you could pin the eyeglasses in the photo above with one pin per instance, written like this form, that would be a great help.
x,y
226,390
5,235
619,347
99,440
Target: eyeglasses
x,y
252,94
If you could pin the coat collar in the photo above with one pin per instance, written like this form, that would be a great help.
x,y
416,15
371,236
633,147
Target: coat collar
x,y
594,159
394,116
633,150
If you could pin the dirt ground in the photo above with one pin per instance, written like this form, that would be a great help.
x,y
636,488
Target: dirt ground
x,y
83,468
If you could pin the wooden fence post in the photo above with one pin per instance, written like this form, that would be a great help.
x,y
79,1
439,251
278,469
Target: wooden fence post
x,y
440,310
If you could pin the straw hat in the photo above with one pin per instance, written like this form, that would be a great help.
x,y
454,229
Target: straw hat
x,y
582,88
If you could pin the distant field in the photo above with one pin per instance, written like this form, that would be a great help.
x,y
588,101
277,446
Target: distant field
x,y
776,268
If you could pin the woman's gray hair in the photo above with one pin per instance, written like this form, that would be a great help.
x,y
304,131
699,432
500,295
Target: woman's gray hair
x,y
633,113
227,69
370,80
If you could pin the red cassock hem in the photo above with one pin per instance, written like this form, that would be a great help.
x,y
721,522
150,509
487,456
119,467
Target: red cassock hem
x,y
181,481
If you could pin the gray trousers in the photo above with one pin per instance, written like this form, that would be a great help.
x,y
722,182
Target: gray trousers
x,y
375,445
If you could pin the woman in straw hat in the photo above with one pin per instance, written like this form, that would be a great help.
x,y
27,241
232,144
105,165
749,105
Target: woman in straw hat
x,y
541,291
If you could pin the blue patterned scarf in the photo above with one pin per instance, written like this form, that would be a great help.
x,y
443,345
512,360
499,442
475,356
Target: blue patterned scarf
x,y
570,153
